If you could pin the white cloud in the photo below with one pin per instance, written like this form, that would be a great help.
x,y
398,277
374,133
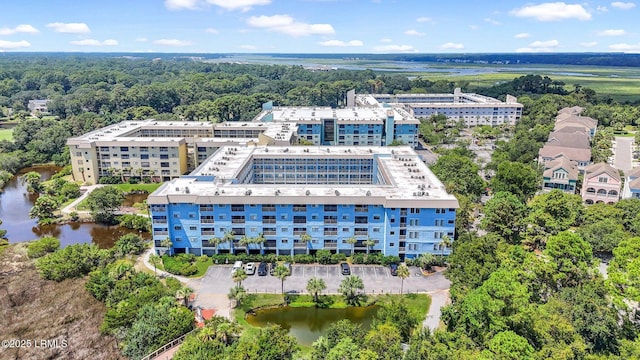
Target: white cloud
x,y
69,28
554,11
623,5
452,46
612,32
340,43
602,9
395,48
22,28
492,21
521,35
212,31
540,46
474,27
287,25
142,39
8,45
386,40
242,5
247,47
423,19
93,42
625,47
172,42
588,44
181,4
413,32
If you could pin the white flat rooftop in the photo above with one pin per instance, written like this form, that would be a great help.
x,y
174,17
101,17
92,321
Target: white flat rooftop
x,y
409,182
357,114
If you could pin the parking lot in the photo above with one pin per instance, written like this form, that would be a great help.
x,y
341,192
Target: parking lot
x,y
377,279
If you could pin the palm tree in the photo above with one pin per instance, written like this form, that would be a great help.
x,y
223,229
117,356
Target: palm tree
x,y
444,244
120,269
166,243
314,286
226,330
369,243
238,276
155,260
351,288
237,294
260,239
425,260
245,241
183,294
403,273
352,240
281,272
228,237
216,242
305,239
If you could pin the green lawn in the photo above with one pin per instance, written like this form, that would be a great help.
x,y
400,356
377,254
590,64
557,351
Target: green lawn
x,y
138,187
6,134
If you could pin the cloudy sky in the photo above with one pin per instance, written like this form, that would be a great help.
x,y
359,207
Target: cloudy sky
x,y
319,26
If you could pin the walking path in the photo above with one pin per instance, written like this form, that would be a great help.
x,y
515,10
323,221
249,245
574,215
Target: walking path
x,y
439,299
87,190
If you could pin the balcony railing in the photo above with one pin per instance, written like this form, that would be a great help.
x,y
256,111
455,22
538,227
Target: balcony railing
x,y
160,233
331,232
207,221
268,221
207,233
330,245
358,233
402,248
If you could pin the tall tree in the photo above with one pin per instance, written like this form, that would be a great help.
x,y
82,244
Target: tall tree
x,y
238,276
281,272
352,288
104,202
504,214
315,286
352,241
403,273
517,178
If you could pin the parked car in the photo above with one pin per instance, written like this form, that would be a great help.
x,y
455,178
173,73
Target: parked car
x,y
262,269
393,267
237,265
272,268
345,269
250,269
288,266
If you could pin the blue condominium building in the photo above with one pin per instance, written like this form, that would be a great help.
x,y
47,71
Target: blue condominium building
x,y
299,199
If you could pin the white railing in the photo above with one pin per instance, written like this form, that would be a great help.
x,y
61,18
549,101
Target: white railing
x,y
175,342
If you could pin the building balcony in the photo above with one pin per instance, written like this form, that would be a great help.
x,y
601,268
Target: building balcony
x,y
270,243
155,221
331,233
207,221
402,249
330,245
361,233
268,221
207,233
207,244
157,233
237,221
269,232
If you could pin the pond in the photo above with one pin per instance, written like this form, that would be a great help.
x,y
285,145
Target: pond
x,y
15,204
308,324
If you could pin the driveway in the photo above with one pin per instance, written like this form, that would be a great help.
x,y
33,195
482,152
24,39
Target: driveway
x,y
622,153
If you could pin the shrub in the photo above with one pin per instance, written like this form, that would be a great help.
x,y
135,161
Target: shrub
x,y
109,180
70,190
323,256
135,222
74,216
43,246
336,258
129,244
72,261
134,180
303,259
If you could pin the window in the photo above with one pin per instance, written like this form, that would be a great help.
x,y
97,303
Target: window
x,y
439,222
284,229
603,179
193,228
124,148
176,215
441,211
177,228
331,208
237,207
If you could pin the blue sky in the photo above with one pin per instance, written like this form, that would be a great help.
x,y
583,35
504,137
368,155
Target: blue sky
x,y
319,26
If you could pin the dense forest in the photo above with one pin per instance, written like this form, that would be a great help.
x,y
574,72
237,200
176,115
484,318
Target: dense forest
x,y
527,289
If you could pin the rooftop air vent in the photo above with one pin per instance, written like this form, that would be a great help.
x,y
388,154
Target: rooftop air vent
x,y
337,193
308,192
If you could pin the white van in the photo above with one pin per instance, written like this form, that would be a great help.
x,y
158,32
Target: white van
x,y
237,265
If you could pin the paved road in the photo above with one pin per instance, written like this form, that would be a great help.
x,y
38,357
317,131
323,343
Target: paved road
x,y
622,153
439,299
